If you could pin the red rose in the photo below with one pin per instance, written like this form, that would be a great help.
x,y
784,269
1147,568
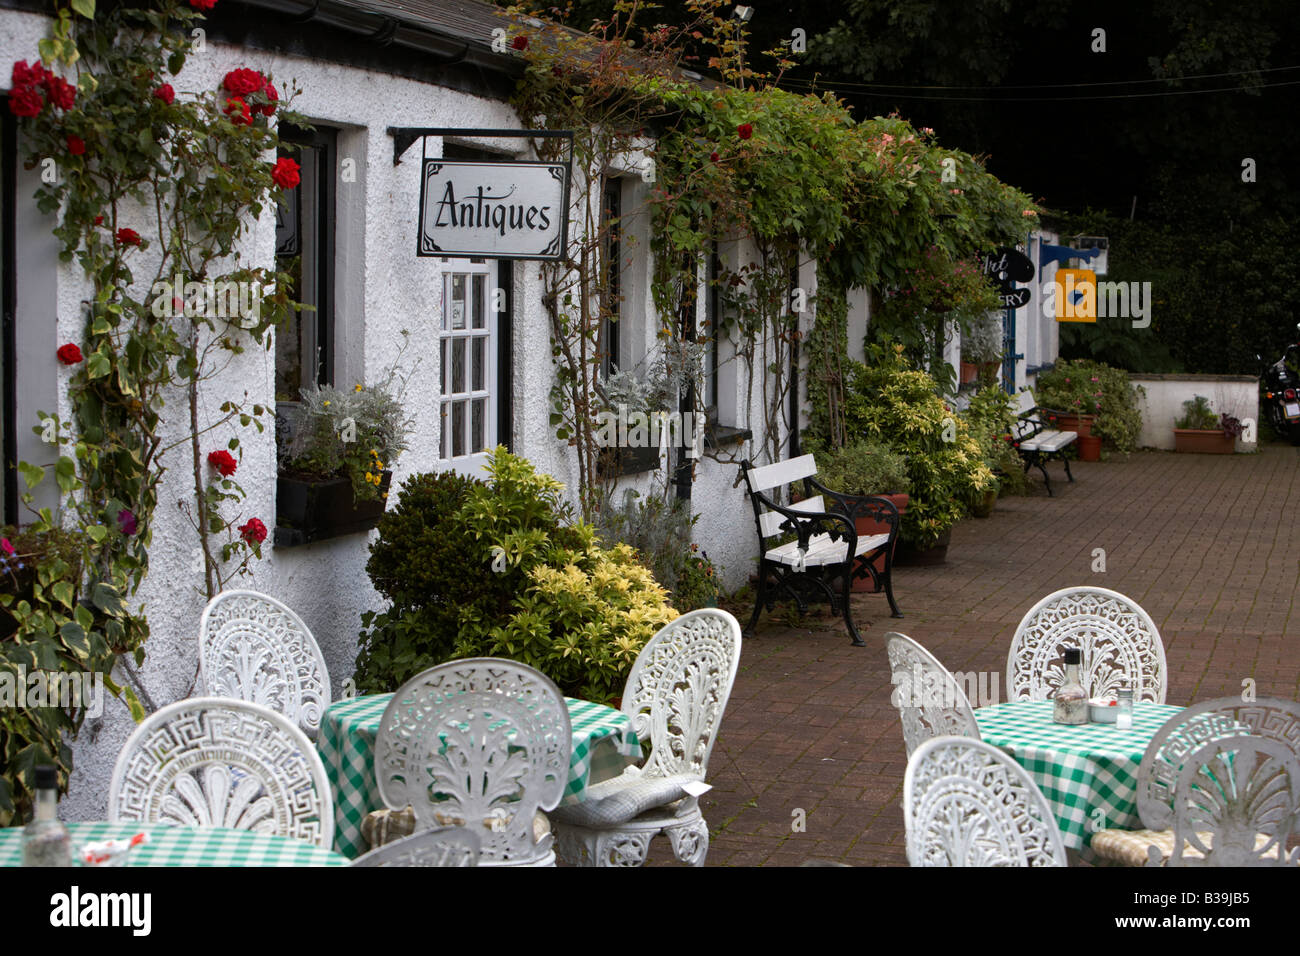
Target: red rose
x,y
76,145
238,112
62,93
713,157
520,42
223,461
274,97
25,75
128,237
26,101
253,531
285,173
99,220
745,130
165,93
243,81
69,354
203,4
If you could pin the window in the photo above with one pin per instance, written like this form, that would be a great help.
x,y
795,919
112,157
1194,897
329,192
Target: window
x,y
468,356
8,391
304,248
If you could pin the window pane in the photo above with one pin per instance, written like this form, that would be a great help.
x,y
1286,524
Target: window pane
x,y
479,370
442,429
457,365
457,429
476,423
442,379
458,301
480,300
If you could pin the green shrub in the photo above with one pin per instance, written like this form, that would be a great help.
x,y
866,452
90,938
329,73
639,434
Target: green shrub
x,y
863,468
991,417
1197,414
501,569
892,404
1090,388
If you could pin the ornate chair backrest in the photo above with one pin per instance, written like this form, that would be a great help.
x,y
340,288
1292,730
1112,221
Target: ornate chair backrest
x,y
678,689
1229,768
444,846
481,743
930,701
1118,640
966,803
252,647
218,762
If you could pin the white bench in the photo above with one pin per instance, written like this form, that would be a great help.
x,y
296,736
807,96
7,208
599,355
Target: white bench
x,y
1036,441
827,554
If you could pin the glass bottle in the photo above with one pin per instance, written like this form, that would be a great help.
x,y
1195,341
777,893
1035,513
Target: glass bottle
x,y
1071,700
1124,714
45,839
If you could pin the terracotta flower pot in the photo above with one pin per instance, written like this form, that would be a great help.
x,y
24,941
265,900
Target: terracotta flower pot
x,y
1080,424
1204,441
1089,448
870,526
970,372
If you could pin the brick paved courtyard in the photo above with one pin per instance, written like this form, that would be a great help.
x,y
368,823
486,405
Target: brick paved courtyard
x,y
1207,544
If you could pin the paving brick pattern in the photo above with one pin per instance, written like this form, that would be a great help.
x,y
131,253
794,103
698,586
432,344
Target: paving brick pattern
x,y
1207,544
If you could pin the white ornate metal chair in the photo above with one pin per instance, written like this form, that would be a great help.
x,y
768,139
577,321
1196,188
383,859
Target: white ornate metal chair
x,y
675,696
443,846
1118,640
252,647
930,701
217,762
480,743
966,803
1219,785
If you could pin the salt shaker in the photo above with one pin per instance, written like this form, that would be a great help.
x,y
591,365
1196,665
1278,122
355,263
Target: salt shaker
x,y
1124,715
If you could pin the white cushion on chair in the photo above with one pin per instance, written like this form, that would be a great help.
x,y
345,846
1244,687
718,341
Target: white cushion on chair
x,y
622,799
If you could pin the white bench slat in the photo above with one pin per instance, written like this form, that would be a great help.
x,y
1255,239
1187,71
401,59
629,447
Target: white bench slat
x,y
822,550
1048,441
782,473
771,520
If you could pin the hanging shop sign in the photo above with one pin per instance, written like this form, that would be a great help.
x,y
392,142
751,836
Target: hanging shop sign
x,y
494,209
1006,266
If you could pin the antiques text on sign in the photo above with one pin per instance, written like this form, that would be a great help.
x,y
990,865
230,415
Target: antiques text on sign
x,y
496,209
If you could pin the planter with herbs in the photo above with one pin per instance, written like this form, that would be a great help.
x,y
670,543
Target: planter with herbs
x,y
1200,431
335,462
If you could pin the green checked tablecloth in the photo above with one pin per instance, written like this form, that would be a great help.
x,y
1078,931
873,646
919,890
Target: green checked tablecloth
x,y
603,744
1088,773
185,846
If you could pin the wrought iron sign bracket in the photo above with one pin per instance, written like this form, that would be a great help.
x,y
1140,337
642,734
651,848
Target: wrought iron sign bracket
x,y
404,136
1049,253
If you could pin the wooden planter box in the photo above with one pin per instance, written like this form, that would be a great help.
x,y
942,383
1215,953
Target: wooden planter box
x,y
1204,441
313,510
612,462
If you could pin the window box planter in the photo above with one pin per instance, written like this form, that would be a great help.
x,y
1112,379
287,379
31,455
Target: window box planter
x,y
614,462
310,509
1204,441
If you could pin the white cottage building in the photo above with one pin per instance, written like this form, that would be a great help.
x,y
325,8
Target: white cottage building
x,y
366,70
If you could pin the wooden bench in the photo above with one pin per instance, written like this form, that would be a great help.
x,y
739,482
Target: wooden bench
x,y
827,554
1036,441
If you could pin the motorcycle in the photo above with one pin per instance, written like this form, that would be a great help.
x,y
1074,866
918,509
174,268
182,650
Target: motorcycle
x,y
1280,393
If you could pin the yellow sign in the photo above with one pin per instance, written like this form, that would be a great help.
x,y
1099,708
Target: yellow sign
x,y
1076,295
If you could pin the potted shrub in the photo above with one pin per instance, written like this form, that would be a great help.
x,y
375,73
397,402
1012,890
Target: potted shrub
x,y
1199,430
866,469
1071,398
895,405
991,417
1103,399
335,467
981,348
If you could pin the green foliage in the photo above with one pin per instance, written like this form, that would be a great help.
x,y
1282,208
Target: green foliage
x,y
991,417
697,585
1197,414
891,403
982,342
862,468
1090,388
503,569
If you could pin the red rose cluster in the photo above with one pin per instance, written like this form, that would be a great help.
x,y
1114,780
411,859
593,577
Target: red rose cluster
x,y
238,112
223,461
165,93
244,82
253,531
745,130
69,354
128,237
25,94
285,173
